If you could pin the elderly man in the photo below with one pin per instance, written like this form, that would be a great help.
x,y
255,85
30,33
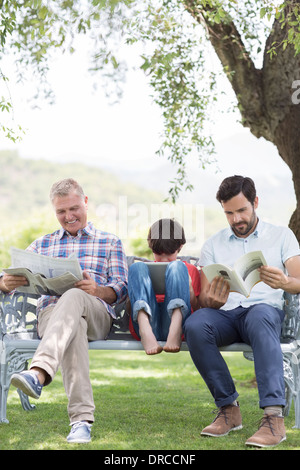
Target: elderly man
x,y
81,314
228,317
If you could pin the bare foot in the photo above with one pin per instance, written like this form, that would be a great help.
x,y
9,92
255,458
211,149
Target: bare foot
x,y
173,342
148,339
150,344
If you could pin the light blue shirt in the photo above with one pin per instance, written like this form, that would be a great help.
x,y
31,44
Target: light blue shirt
x,y
277,244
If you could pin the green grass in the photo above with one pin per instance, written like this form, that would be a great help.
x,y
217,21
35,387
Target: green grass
x,y
142,403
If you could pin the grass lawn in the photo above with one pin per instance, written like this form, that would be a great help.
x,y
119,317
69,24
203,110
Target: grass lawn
x,y
142,403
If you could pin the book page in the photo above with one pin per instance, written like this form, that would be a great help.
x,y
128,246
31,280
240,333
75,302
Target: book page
x,y
213,270
247,267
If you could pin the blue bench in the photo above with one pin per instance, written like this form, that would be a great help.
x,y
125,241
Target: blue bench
x,y
19,341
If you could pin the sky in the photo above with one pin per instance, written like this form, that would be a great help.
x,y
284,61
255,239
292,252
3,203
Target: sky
x,y
83,126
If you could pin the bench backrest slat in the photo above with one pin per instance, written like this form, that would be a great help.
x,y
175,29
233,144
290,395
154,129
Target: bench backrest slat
x,y
18,313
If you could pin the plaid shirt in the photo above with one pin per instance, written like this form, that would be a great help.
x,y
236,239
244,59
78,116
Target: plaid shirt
x,y
101,254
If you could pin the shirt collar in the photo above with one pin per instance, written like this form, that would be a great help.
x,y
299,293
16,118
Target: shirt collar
x,y
255,234
89,230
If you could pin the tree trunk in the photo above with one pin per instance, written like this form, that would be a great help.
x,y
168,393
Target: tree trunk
x,y
264,95
287,141
284,115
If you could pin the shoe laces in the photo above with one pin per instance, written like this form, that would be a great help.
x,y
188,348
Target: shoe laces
x,y
78,424
221,412
34,375
266,421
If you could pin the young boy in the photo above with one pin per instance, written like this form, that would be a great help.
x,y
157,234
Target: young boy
x,y
157,318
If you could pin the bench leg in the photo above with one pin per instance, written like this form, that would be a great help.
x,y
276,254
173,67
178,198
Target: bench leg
x,y
3,390
291,369
297,411
292,383
12,361
296,371
3,406
289,384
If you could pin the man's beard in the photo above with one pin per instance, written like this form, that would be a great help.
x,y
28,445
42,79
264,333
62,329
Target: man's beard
x,y
247,226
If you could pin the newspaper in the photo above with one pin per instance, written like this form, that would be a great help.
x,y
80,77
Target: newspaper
x,y
45,275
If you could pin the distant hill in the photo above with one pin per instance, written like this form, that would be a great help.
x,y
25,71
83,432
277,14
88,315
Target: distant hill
x,y
25,185
122,198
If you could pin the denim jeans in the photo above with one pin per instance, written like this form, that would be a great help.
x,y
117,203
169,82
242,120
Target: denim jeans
x,y
142,296
260,327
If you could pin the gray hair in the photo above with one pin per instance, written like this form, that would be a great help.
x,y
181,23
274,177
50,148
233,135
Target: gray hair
x,y
64,188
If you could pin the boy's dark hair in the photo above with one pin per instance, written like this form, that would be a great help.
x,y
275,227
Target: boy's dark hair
x,y
166,236
233,185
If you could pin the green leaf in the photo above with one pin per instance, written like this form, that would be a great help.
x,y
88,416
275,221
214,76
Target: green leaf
x,y
263,12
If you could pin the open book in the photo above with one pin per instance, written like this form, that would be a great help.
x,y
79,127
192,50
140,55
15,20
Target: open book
x,y
243,276
45,275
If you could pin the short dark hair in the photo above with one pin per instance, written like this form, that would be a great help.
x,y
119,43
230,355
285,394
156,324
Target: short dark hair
x,y
165,236
233,185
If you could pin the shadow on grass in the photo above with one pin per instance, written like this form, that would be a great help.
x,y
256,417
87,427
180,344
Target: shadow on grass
x,y
141,404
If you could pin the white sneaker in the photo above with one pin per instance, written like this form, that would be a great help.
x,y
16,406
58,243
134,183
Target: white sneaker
x,y
80,432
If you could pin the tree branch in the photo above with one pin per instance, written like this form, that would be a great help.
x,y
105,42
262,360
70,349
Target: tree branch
x,y
245,78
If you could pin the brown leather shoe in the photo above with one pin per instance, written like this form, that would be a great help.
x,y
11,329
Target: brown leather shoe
x,y
270,433
228,419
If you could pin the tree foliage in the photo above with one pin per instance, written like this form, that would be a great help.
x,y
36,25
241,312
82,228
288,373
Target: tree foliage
x,y
174,38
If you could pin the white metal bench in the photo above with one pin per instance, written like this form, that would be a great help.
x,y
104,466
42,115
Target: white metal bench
x,y
19,341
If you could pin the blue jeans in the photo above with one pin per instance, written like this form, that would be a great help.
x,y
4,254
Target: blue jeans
x,y
142,296
260,327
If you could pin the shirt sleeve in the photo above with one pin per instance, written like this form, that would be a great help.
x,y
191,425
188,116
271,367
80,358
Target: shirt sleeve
x,y
33,247
290,246
206,255
117,277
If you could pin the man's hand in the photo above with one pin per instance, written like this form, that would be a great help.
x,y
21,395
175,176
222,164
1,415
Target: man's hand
x,y
87,284
218,292
9,282
91,287
273,277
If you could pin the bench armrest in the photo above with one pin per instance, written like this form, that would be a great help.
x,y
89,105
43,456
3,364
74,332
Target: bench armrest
x,y
291,323
18,315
